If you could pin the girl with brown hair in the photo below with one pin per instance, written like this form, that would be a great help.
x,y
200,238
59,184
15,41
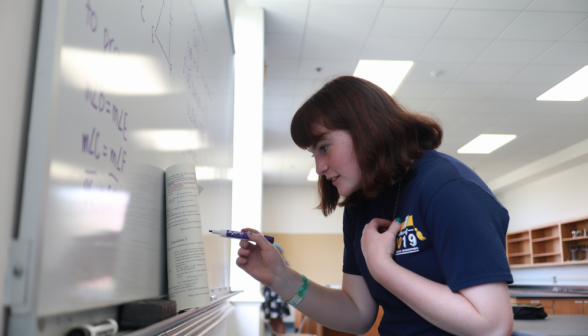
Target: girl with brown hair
x,y
424,236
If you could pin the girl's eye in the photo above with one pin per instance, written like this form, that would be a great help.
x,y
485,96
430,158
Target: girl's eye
x,y
324,148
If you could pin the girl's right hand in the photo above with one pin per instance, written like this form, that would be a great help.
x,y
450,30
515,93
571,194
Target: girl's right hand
x,y
262,261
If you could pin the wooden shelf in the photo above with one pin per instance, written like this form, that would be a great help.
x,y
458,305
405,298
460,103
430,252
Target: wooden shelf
x,y
544,239
519,254
549,254
546,245
574,239
562,263
514,240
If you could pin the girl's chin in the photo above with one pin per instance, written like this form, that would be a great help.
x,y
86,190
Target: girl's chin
x,y
343,192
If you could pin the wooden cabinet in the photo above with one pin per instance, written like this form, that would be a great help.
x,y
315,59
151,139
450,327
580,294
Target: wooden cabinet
x,y
311,327
575,241
518,248
546,245
549,245
577,306
568,307
546,303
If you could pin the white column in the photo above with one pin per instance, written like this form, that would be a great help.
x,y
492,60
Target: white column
x,y
247,159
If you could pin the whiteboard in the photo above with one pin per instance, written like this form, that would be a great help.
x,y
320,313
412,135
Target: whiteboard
x,y
122,90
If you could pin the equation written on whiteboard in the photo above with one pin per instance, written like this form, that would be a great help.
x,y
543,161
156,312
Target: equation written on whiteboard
x,y
108,152
105,139
101,104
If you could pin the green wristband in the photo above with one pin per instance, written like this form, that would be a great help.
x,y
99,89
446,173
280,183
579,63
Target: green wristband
x,y
301,292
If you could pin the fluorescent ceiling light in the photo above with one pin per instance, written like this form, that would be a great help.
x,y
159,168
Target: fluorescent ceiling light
x,y
486,143
386,74
573,88
312,175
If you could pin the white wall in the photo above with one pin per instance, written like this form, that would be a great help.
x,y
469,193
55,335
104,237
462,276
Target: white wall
x,y
559,197
17,23
291,209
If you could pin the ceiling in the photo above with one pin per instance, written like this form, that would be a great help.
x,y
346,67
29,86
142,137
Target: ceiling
x,y
495,57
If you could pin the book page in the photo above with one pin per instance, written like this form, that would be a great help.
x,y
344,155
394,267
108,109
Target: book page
x,y
186,262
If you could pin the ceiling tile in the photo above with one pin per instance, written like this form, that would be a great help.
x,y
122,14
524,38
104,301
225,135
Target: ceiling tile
x,y
449,119
388,48
580,107
560,5
546,108
526,92
340,20
490,73
420,90
566,53
471,90
297,101
283,45
578,34
508,107
478,24
514,52
285,18
472,69
419,105
307,87
545,74
338,47
348,2
278,102
328,69
444,50
278,86
408,22
420,3
494,4
263,3
421,71
444,105
505,127
542,26
281,67
483,120
463,133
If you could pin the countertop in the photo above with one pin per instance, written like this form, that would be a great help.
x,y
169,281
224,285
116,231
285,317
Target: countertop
x,y
555,292
540,294
553,325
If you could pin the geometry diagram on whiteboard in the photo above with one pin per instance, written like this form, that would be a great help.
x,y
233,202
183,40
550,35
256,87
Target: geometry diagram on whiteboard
x,y
162,31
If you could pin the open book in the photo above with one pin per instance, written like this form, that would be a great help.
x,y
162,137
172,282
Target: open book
x,y
186,262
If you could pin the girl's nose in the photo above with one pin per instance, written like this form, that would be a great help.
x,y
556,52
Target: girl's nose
x,y
321,167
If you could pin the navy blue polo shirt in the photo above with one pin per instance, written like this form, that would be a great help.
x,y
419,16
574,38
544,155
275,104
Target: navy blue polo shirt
x,y
453,233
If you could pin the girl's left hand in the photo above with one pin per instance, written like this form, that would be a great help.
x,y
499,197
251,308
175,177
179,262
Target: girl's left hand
x,y
379,247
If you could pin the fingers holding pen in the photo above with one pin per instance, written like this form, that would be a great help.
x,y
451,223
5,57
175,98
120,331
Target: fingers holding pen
x,y
243,252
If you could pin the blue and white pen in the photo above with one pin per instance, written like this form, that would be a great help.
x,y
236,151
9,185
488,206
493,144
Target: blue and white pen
x,y
238,235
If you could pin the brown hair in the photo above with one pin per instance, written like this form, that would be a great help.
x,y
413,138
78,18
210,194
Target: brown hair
x,y
386,136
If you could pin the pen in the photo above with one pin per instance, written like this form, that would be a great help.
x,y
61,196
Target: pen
x,y
237,235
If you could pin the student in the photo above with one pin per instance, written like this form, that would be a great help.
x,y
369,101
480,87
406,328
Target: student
x,y
424,236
